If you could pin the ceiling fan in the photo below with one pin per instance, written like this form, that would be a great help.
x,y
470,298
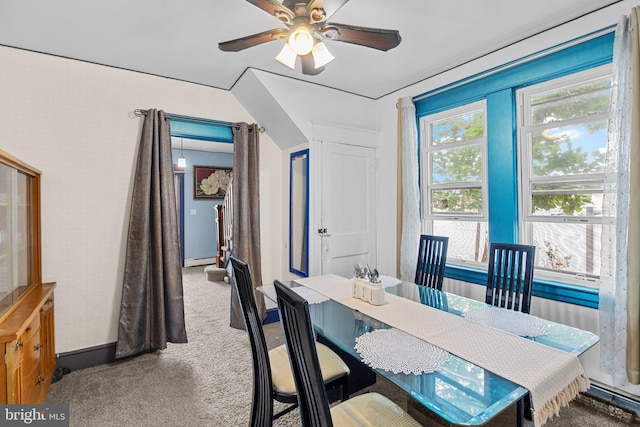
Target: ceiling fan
x,y
307,27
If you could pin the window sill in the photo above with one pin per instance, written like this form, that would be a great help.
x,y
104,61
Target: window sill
x,y
556,291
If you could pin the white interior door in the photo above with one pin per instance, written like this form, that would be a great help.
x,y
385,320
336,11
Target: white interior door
x,y
348,208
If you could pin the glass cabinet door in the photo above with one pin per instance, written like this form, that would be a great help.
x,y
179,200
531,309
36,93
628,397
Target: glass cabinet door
x,y
6,261
19,229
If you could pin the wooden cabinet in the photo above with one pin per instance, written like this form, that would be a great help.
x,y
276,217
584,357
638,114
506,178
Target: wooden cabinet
x,y
47,337
27,338
27,346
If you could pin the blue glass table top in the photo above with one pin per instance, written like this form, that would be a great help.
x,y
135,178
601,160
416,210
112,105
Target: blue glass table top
x,y
460,392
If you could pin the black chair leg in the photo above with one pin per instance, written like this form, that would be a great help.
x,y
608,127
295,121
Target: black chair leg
x,y
344,389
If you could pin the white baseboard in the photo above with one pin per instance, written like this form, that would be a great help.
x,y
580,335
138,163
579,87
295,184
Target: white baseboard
x,y
199,261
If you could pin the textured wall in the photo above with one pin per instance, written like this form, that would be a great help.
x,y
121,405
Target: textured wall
x,y
72,120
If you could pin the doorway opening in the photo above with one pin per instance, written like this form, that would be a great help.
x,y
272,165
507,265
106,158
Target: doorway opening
x,y
197,209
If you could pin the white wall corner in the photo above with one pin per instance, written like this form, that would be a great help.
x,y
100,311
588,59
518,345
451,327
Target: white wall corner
x,y
261,103
343,134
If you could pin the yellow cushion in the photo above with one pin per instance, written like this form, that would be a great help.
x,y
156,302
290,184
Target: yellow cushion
x,y
331,364
370,409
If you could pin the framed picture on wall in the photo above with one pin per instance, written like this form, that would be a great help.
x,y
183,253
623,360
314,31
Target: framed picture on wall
x,y
210,182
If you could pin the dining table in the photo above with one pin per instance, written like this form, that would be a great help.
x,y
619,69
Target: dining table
x,y
450,384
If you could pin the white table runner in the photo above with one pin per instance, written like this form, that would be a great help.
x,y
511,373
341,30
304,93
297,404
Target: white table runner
x,y
553,377
512,321
310,295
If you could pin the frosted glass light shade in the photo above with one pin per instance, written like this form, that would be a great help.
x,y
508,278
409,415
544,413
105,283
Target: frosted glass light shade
x,y
301,41
321,55
182,162
287,56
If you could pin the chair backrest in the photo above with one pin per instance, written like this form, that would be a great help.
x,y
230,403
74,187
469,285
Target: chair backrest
x,y
433,298
510,276
301,346
262,405
432,257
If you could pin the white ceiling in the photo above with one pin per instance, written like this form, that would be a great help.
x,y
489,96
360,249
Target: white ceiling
x,y
179,39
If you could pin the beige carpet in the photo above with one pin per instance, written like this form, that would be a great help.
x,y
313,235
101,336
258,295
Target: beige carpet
x,y
208,381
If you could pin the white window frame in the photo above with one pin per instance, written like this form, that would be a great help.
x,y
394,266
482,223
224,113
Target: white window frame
x,y
426,148
526,218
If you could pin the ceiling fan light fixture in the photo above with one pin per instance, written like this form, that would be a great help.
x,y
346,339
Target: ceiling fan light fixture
x,y
317,14
301,40
307,28
321,55
287,56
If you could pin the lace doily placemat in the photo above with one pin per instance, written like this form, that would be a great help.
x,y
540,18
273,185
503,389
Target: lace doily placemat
x,y
310,295
518,323
396,351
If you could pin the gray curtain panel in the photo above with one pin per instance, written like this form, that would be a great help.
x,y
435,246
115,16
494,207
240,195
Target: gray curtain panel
x,y
246,213
152,310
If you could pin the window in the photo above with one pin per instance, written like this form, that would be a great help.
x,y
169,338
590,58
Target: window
x,y
529,163
562,138
453,189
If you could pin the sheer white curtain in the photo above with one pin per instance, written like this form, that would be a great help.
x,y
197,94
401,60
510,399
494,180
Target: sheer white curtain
x,y
618,308
410,201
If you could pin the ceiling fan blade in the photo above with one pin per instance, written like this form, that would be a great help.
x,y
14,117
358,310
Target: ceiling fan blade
x,y
275,8
325,9
249,41
376,38
308,65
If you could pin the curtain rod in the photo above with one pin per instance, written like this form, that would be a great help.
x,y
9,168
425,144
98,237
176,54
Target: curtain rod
x,y
139,112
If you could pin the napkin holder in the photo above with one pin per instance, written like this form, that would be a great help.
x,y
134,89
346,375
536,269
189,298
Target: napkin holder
x,y
363,289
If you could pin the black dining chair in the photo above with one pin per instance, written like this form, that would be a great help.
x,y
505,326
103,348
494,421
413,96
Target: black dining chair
x,y
272,376
510,276
370,409
432,257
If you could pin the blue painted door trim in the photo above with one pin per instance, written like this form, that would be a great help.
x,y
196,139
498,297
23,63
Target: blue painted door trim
x,y
181,214
304,273
206,130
